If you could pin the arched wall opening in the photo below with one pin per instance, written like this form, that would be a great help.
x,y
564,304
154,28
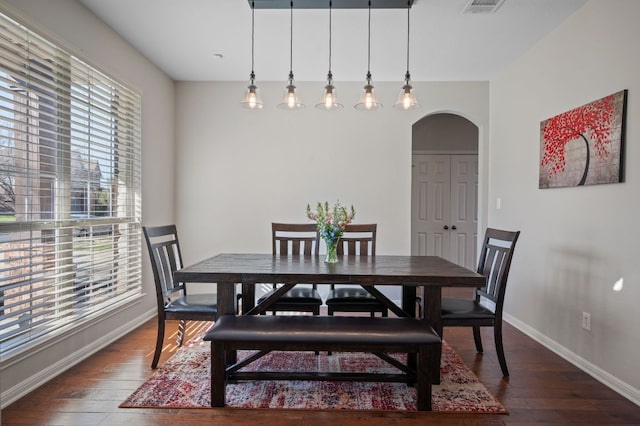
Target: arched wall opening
x,y
445,188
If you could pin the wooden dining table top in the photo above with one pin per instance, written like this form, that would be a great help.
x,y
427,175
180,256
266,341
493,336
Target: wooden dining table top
x,y
365,270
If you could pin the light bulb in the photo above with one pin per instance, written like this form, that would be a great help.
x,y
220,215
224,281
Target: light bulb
x,y
291,99
368,100
252,99
328,100
406,100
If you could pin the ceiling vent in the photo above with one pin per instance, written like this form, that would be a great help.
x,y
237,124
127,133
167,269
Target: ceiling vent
x,y
482,6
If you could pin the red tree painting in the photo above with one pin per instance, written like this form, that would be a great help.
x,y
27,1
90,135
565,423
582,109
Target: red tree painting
x,y
599,126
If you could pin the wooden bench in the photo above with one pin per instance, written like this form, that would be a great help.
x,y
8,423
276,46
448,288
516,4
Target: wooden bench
x,y
322,333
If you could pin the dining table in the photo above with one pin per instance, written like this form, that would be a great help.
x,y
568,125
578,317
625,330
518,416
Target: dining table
x,y
414,273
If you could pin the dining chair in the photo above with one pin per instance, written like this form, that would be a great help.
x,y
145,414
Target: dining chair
x,y
172,299
485,309
357,240
294,239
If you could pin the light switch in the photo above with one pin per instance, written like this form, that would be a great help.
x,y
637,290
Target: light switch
x,y
498,203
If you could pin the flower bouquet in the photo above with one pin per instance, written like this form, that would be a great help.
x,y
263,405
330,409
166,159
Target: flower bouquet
x,y
331,223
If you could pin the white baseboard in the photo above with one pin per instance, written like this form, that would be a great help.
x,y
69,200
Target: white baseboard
x,y
42,376
593,370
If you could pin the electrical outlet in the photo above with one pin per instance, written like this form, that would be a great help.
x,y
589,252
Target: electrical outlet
x,y
586,321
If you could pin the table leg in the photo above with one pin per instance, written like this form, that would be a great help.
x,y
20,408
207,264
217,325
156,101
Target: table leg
x,y
409,306
248,297
227,306
432,303
218,375
226,298
409,300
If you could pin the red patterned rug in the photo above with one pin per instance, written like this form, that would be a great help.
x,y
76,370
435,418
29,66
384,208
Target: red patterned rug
x,y
184,382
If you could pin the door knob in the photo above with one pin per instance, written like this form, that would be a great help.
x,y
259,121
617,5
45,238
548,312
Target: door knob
x,y
454,227
446,227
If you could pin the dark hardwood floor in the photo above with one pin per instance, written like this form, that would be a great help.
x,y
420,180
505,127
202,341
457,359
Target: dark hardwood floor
x,y
543,388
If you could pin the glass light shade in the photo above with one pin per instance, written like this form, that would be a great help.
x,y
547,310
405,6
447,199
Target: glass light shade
x,y
329,99
368,101
252,98
406,99
290,100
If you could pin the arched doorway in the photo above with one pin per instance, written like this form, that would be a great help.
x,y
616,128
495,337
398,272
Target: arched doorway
x,y
444,188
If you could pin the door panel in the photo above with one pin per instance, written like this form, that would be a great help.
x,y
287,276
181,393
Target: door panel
x,y
459,245
445,194
430,211
464,208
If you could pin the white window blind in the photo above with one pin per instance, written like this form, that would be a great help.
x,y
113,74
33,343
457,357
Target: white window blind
x,y
70,244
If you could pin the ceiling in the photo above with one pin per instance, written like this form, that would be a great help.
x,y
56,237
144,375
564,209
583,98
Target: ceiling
x,y
210,40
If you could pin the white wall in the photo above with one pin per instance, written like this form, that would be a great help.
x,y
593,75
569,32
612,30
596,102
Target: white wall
x,y
575,242
76,28
240,170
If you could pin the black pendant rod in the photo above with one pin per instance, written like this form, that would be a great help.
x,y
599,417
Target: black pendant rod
x,y
408,32
291,39
330,36
253,11
369,44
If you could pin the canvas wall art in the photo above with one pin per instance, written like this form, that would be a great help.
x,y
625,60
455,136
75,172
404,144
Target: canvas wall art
x,y
584,146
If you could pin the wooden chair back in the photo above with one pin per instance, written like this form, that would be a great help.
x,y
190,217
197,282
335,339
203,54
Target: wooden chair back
x,y
358,240
166,258
494,263
297,239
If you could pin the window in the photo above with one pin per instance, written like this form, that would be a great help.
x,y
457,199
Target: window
x,y
70,245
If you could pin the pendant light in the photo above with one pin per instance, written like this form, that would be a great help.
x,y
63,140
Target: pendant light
x,y
290,100
368,100
252,99
329,100
406,99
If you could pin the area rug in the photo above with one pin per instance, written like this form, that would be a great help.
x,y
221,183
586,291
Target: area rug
x,y
184,382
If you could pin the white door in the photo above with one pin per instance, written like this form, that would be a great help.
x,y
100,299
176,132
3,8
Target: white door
x,y
444,201
431,203
464,210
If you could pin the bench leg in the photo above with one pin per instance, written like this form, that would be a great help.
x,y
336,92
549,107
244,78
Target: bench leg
x,y
218,374
423,379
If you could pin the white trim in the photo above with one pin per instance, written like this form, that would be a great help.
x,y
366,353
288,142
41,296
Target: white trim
x,y
593,370
51,371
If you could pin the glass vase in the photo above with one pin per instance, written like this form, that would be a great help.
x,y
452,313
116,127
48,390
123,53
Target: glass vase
x,y
332,252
